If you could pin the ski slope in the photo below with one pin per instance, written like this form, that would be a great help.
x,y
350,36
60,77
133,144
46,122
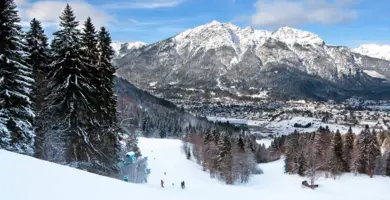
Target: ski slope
x,y
26,178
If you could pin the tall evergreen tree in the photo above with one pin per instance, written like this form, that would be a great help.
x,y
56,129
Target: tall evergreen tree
x,y
373,152
16,108
291,155
90,56
301,164
348,150
224,158
367,152
106,69
39,60
336,154
67,104
106,89
322,140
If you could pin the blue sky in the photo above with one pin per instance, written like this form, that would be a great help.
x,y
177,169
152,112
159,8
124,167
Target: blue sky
x,y
338,22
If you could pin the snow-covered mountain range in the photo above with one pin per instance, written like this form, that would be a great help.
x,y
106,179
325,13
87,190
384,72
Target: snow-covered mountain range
x,y
223,60
374,50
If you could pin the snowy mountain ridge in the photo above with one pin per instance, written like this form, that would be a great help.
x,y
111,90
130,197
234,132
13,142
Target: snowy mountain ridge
x,y
223,59
121,49
216,34
374,50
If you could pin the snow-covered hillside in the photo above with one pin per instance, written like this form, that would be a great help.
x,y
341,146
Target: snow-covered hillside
x,y
23,178
286,126
374,50
121,49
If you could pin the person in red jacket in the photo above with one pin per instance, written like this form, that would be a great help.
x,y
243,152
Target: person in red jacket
x,y
162,183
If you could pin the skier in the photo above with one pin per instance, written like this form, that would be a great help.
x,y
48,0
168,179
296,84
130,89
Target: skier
x,y
165,173
162,183
182,185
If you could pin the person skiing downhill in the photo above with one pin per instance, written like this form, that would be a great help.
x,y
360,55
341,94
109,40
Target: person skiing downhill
x,y
182,185
162,183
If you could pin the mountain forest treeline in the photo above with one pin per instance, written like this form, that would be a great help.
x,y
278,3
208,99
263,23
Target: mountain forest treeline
x,y
330,153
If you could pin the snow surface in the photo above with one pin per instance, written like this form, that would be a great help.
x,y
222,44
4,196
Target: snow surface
x,y
291,36
374,74
374,50
266,142
128,46
286,126
152,84
380,107
26,178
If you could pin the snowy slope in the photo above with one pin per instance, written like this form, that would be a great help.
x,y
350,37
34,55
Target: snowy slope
x,y
374,50
286,126
121,49
374,74
26,178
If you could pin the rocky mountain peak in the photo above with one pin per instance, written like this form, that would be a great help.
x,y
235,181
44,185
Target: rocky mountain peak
x,y
291,36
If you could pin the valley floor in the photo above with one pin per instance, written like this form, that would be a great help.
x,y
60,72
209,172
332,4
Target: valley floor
x,y
25,178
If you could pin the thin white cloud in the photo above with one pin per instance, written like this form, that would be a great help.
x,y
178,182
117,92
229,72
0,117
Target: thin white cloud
x,y
300,12
48,12
143,4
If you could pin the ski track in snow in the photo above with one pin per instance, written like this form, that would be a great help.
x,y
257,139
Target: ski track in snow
x,y
26,178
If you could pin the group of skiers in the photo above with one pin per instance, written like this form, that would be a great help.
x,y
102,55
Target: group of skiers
x,y
181,183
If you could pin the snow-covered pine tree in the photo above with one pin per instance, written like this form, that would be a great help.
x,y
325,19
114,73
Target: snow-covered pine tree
x,y
16,108
367,152
208,145
109,143
292,147
39,60
373,152
348,149
322,141
224,158
90,54
105,66
239,160
72,127
301,164
360,156
336,154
